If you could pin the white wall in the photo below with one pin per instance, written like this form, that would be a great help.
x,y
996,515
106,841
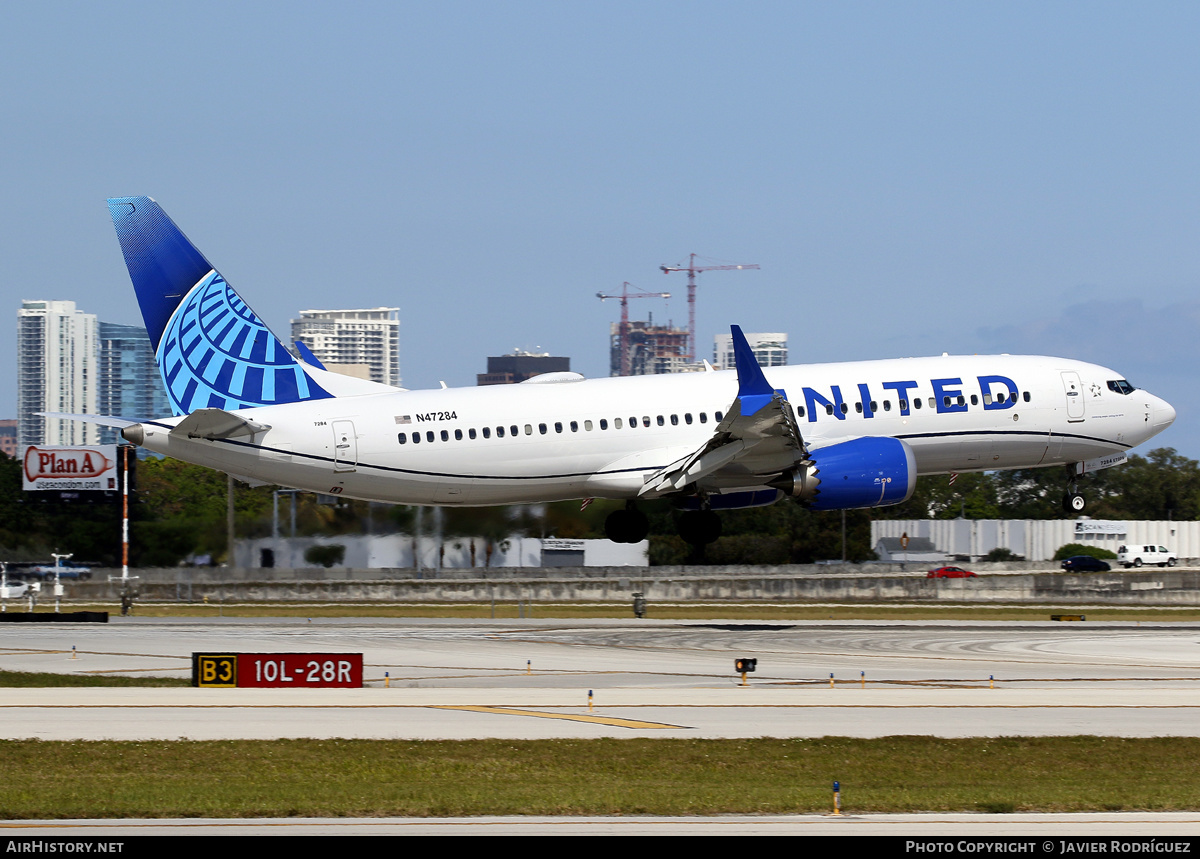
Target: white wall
x,y
1039,539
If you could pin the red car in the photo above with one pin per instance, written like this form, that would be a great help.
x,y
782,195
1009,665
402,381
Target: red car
x,y
950,573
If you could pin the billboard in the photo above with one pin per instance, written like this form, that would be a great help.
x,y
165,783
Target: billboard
x,y
72,469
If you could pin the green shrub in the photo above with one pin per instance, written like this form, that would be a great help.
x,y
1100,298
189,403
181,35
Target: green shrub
x,y
1000,553
1072,549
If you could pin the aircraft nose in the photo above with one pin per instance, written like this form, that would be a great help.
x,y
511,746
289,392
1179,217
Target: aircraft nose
x,y
1164,413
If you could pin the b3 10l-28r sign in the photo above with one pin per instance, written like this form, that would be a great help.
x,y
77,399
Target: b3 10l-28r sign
x,y
296,670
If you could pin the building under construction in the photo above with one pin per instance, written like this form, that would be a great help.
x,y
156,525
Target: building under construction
x,y
648,349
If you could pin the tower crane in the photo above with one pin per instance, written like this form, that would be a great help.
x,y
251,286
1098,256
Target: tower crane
x,y
623,329
692,270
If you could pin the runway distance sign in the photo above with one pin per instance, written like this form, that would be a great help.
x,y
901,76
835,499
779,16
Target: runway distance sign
x,y
277,670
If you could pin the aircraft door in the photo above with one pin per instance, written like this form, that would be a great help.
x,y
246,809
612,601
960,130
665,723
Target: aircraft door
x,y
345,446
1073,388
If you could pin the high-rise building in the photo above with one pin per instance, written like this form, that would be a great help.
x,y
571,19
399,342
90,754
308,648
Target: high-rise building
x,y
341,339
56,372
771,350
8,437
130,384
519,366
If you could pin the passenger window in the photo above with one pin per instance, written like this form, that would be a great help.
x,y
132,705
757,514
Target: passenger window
x,y
429,435
974,400
646,420
704,417
1026,396
633,423
874,406
829,409
512,430
660,420
587,425
402,438
887,405
800,411
917,403
987,399
416,438
499,432
616,423
962,401
575,426
687,418
845,409
445,435
558,426
471,433
719,416
487,432
674,420
529,429
603,424
858,408
999,398
458,435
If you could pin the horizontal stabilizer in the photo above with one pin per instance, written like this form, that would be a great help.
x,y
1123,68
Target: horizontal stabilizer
x,y
102,420
215,424
307,356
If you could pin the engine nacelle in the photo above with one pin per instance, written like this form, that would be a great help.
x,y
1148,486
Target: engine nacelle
x,y
862,472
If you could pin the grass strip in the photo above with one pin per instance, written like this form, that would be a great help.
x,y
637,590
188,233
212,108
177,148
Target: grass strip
x,y
375,778
31,679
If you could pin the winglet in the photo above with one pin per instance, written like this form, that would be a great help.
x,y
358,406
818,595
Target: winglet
x,y
754,391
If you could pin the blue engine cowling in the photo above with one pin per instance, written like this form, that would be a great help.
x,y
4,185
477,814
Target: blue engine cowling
x,y
862,472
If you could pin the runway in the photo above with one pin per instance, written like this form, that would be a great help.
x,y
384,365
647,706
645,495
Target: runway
x,y
445,679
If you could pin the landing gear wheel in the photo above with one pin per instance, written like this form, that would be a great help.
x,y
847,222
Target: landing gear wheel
x,y
626,526
1073,502
699,527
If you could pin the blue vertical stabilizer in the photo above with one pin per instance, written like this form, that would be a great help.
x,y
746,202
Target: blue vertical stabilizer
x,y
212,351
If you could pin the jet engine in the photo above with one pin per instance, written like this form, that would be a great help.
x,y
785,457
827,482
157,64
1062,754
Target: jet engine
x,y
862,472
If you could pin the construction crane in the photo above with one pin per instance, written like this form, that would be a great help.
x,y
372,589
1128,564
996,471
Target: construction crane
x,y
692,269
623,329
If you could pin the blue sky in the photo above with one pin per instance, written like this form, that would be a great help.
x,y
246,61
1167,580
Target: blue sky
x,y
911,177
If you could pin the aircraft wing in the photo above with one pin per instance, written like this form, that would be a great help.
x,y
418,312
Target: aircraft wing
x,y
757,440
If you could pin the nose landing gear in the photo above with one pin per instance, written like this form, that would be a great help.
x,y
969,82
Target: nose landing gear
x,y
1072,501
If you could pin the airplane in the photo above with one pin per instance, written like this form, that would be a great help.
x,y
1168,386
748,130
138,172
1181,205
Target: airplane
x,y
830,436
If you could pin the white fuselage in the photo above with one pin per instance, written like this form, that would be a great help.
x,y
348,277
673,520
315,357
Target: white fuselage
x,y
603,437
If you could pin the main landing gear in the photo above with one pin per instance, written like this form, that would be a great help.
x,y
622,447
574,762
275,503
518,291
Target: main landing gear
x,y
627,526
699,527
1072,501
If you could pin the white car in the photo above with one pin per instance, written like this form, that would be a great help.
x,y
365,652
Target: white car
x,y
14,591
1136,556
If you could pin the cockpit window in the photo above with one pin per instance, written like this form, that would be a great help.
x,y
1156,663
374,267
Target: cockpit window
x,y
1120,386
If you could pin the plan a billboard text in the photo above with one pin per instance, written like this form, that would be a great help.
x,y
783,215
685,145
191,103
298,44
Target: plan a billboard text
x,y
71,469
